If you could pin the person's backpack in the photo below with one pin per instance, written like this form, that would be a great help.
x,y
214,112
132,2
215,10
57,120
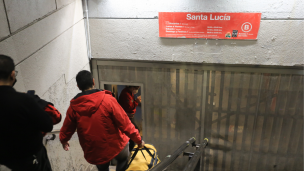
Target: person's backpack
x,y
143,159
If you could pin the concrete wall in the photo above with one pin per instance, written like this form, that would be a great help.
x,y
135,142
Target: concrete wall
x,y
46,39
129,30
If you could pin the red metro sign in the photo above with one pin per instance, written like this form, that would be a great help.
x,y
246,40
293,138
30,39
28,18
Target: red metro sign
x,y
209,25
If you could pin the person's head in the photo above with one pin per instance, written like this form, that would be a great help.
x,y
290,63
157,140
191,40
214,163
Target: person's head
x,y
7,71
85,80
134,89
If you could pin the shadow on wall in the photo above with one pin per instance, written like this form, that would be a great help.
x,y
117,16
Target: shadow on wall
x,y
205,42
192,50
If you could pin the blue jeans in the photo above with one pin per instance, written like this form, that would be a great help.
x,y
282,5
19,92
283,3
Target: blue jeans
x,y
122,161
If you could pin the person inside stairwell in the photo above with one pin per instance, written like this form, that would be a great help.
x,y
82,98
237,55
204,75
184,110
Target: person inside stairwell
x,y
129,104
103,127
22,121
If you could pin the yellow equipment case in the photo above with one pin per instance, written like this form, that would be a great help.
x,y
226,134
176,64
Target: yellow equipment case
x,y
144,158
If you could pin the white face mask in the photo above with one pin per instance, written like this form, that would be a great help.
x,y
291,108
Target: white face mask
x,y
135,91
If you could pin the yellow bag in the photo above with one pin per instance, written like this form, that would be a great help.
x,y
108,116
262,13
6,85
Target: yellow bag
x,y
141,159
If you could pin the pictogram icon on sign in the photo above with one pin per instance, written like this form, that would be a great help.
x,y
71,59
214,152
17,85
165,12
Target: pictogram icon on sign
x,y
246,27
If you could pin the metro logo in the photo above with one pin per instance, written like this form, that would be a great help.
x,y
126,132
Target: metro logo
x,y
246,27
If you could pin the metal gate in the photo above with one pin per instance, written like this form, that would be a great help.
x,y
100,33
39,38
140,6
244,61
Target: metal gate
x,y
253,117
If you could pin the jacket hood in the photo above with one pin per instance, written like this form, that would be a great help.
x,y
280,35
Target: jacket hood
x,y
86,103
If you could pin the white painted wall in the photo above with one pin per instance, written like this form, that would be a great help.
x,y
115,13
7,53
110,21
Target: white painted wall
x,y
46,39
150,8
21,13
4,31
71,160
133,34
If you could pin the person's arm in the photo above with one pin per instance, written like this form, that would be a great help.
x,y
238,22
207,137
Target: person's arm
x,y
39,118
68,128
122,121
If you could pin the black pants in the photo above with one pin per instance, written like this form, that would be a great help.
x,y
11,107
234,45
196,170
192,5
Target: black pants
x,y
132,143
122,161
36,162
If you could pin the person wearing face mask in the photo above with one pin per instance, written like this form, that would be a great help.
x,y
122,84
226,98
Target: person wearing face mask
x,y
22,120
129,104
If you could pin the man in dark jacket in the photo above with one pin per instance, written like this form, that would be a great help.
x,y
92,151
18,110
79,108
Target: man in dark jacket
x,y
22,121
103,127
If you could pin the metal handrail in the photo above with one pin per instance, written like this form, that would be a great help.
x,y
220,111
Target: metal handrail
x,y
170,158
55,131
192,163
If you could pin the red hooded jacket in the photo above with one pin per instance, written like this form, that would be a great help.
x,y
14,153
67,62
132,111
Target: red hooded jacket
x,y
102,125
127,101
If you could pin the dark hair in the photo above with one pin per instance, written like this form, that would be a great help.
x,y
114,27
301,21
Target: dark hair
x,y
84,80
6,67
133,87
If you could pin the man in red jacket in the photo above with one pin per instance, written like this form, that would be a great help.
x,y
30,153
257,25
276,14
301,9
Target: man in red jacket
x,y
127,101
129,104
102,125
